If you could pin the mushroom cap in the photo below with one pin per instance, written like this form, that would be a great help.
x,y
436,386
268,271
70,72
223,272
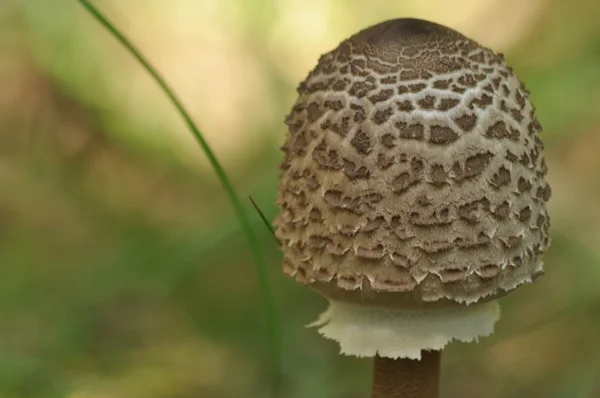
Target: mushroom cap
x,y
413,172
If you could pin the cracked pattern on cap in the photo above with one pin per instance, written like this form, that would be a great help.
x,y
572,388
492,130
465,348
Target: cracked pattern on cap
x,y
413,163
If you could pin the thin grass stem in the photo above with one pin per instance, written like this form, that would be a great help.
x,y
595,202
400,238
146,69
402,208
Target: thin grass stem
x,y
263,217
261,268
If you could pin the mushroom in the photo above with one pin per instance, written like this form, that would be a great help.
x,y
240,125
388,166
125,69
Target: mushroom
x,y
412,195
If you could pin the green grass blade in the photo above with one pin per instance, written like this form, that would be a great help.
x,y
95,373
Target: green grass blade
x,y
261,268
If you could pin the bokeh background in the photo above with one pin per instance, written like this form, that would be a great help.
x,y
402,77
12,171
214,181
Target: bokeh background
x,y
123,271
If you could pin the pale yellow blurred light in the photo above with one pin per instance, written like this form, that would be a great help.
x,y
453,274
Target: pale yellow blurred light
x,y
198,47
300,33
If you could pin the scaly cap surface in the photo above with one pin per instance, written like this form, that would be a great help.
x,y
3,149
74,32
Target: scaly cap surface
x,y
413,165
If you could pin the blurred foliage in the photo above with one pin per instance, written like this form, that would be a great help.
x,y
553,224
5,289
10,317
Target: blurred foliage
x,y
124,270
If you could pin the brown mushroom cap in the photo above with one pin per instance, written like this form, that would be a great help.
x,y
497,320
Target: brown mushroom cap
x,y
412,167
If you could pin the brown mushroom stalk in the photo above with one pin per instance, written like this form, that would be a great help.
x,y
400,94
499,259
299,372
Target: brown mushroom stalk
x,y
407,378
412,195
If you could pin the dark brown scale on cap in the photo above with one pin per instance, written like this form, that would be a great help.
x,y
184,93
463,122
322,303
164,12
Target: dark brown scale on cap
x,y
421,114
422,40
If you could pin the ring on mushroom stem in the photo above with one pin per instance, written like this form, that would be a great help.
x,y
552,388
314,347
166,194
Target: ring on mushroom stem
x,y
413,190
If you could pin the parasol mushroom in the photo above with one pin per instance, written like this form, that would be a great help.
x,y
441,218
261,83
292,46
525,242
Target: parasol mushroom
x,y
412,195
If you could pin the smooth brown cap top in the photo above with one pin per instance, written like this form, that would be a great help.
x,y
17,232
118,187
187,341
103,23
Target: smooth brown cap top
x,y
398,40
413,165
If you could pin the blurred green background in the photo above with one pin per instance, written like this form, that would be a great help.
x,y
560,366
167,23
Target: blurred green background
x,y
124,273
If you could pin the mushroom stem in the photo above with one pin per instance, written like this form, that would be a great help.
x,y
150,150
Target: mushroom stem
x,y
407,378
